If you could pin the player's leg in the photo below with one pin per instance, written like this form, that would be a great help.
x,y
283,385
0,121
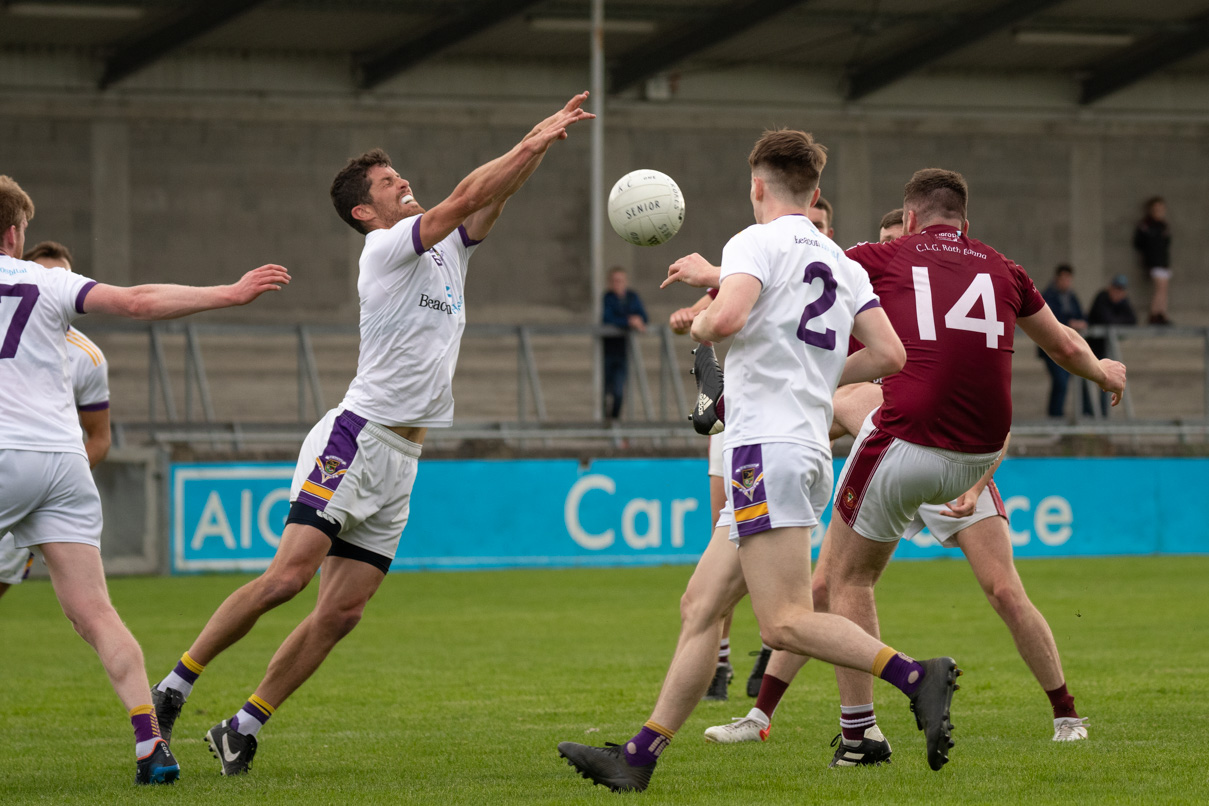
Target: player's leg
x,y
724,671
716,585
988,548
79,582
14,563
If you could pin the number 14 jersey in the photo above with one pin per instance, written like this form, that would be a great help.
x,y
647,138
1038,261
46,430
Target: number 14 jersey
x,y
783,366
954,303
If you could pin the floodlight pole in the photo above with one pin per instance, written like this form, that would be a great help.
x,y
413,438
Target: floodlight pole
x,y
596,207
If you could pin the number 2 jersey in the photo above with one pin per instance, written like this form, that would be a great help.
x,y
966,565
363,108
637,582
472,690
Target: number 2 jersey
x,y
783,366
954,303
37,406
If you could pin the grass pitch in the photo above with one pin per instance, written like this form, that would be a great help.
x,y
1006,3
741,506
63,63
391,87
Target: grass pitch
x,y
457,686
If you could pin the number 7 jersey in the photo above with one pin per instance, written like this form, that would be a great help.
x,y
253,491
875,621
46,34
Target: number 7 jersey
x,y
954,303
784,364
37,405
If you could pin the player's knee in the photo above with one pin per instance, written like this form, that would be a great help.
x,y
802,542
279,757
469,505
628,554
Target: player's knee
x,y
279,587
1008,598
820,593
88,619
699,611
340,621
780,630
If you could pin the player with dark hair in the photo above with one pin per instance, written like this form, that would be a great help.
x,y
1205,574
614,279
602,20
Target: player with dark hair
x,y
791,298
351,493
891,226
50,499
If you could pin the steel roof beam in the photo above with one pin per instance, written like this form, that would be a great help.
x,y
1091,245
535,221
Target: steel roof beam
x,y
662,51
178,30
958,33
1148,56
373,69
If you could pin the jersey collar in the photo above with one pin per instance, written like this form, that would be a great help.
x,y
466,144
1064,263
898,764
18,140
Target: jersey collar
x,y
936,229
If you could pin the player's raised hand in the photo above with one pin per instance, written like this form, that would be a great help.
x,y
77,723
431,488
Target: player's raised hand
x,y
575,103
270,277
1114,378
692,270
555,127
681,320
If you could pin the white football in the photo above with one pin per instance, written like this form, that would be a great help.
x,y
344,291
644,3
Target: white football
x,y
646,208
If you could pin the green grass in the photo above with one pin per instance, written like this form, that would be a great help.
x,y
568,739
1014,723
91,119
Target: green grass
x,y
456,688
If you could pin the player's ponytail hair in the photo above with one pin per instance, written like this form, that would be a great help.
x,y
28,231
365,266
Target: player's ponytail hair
x,y
790,160
351,185
15,204
936,193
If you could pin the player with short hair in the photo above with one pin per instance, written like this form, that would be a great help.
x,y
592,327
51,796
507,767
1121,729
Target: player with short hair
x,y
791,298
945,418
891,226
50,500
351,493
822,216
90,388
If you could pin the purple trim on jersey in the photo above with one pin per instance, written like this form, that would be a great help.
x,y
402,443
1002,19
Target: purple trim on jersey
x,y
104,404
336,458
83,293
747,488
873,303
467,241
416,243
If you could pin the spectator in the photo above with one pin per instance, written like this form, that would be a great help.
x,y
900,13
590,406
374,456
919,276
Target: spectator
x,y
623,309
1152,240
1110,307
1062,301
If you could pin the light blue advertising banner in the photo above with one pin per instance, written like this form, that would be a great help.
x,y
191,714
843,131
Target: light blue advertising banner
x,y
559,513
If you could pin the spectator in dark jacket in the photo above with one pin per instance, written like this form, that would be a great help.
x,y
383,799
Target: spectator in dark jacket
x,y
1110,307
623,309
1152,240
1060,297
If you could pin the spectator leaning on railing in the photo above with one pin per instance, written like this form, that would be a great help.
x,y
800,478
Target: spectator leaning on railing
x,y
1060,297
623,309
1110,307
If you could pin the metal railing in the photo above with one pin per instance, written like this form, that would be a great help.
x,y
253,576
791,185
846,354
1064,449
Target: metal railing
x,y
647,418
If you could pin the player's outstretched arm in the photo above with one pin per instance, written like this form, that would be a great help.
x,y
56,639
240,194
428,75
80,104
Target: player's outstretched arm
x,y
479,199
1070,351
883,353
681,319
171,301
693,270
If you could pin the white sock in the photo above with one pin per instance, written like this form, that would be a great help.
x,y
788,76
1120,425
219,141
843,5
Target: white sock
x,y
765,647
174,680
246,723
724,652
759,716
142,748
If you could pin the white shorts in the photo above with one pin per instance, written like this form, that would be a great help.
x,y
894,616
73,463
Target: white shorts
x,y
357,475
773,485
886,480
715,455
1160,273
14,562
944,529
48,498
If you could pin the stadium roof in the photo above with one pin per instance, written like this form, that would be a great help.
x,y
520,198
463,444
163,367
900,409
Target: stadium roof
x,y
1102,45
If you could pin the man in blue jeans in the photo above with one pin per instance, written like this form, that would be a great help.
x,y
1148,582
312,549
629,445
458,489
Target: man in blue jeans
x,y
1060,296
623,309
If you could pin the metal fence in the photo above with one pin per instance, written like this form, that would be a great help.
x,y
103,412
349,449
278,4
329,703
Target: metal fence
x,y
651,416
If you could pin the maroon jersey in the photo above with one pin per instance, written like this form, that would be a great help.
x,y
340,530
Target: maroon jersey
x,y
954,303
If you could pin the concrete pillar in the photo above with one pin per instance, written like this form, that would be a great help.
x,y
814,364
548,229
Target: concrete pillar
x,y
1087,217
111,203
847,183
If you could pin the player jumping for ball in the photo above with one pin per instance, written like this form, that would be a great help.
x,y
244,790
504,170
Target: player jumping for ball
x,y
351,492
791,298
50,501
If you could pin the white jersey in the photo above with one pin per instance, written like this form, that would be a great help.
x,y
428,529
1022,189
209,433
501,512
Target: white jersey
x,y
89,372
37,407
412,318
783,367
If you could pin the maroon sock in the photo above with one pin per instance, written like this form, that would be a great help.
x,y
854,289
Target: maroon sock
x,y
855,719
1063,702
772,690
